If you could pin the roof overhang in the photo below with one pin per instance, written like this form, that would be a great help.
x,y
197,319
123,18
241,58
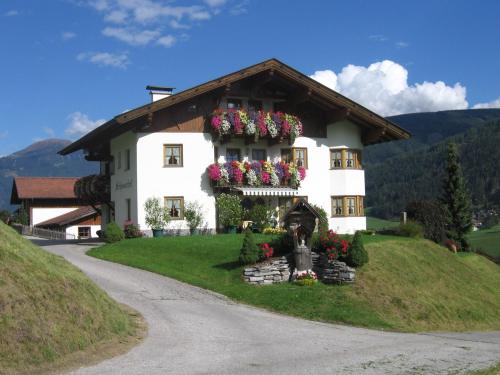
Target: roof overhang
x,y
378,125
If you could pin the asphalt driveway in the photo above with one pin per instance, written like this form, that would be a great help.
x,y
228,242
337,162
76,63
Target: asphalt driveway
x,y
193,331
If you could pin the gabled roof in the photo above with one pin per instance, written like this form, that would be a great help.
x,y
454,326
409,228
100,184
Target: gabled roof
x,y
302,203
71,217
42,188
313,88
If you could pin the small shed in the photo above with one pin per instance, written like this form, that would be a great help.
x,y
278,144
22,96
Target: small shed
x,y
301,220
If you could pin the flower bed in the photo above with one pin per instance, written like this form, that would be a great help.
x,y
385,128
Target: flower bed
x,y
257,124
259,173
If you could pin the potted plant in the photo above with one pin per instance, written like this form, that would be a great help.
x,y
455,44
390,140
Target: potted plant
x,y
157,216
229,211
193,214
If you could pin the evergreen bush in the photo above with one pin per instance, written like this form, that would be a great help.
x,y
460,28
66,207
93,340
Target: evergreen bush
x,y
411,229
249,252
357,256
113,233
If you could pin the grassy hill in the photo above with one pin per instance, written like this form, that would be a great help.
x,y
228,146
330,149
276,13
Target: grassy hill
x,y
487,241
408,285
49,309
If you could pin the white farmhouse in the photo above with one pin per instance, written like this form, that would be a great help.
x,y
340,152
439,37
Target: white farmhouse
x,y
266,112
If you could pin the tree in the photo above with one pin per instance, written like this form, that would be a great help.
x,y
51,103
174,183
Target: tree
x,y
249,252
157,217
357,255
456,199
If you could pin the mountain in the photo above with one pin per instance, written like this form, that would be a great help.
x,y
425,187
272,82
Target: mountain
x,y
41,159
402,171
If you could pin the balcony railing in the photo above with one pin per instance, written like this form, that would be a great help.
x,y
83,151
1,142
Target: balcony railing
x,y
256,174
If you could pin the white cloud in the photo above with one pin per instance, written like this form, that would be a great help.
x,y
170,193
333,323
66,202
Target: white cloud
x,y
383,87
166,41
11,13
4,134
116,16
240,8
493,104
80,124
215,3
132,36
67,35
402,44
174,24
105,59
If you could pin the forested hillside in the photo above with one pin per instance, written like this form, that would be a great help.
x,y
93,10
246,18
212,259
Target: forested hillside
x,y
415,170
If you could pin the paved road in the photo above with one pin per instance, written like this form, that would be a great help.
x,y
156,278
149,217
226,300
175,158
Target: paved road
x,y
193,331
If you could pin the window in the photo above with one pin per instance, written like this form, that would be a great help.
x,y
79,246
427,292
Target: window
x,y
255,105
300,157
296,155
127,160
286,155
347,206
335,159
172,156
175,207
345,158
232,154
259,154
83,232
128,209
119,164
337,206
233,103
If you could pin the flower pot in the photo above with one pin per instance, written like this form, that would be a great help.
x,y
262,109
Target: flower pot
x,y
157,232
231,229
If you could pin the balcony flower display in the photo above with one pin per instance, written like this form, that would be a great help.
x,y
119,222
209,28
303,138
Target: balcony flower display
x,y
261,173
256,123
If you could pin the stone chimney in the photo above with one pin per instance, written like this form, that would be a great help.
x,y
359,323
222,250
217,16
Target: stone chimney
x,y
159,92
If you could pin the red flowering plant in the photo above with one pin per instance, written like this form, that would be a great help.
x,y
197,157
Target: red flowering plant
x,y
266,251
334,246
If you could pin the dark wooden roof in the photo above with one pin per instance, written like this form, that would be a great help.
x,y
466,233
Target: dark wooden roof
x,y
42,188
312,88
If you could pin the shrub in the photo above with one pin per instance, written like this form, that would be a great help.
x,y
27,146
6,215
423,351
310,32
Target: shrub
x,y
229,209
282,244
411,229
193,214
249,252
260,216
157,216
131,230
306,278
357,256
113,233
333,246
432,216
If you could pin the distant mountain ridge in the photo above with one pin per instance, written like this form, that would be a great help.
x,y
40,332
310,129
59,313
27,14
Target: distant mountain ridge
x,y
41,159
401,171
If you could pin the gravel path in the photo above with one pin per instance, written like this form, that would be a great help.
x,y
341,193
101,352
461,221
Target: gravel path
x,y
193,331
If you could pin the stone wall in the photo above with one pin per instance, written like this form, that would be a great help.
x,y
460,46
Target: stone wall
x,y
334,272
277,271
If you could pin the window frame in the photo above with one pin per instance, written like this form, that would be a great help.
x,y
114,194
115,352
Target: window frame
x,y
294,158
181,155
259,149
357,157
359,210
87,228
127,160
181,206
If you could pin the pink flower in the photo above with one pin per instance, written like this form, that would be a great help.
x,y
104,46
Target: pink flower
x,y
238,126
261,123
214,172
216,122
302,173
285,128
266,177
237,175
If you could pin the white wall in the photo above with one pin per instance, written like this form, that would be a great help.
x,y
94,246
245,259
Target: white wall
x,y
189,181
74,230
41,214
124,182
347,224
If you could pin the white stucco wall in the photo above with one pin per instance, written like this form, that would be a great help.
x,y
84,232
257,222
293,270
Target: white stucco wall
x,y
74,230
189,181
123,181
40,214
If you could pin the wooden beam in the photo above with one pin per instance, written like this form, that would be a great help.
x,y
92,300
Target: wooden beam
x,y
301,97
338,115
372,136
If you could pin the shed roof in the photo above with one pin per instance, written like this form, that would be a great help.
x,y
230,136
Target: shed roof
x,y
71,217
42,188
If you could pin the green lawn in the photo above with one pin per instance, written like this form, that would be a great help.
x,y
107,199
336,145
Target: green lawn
x,y
409,285
377,224
488,240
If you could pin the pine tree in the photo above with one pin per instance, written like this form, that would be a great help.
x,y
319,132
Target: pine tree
x,y
249,252
456,199
357,255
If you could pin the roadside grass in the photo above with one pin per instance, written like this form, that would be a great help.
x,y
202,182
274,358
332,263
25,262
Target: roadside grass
x,y
375,223
408,285
488,240
495,370
49,310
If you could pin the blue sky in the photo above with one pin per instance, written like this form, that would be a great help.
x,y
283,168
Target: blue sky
x,y
67,65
